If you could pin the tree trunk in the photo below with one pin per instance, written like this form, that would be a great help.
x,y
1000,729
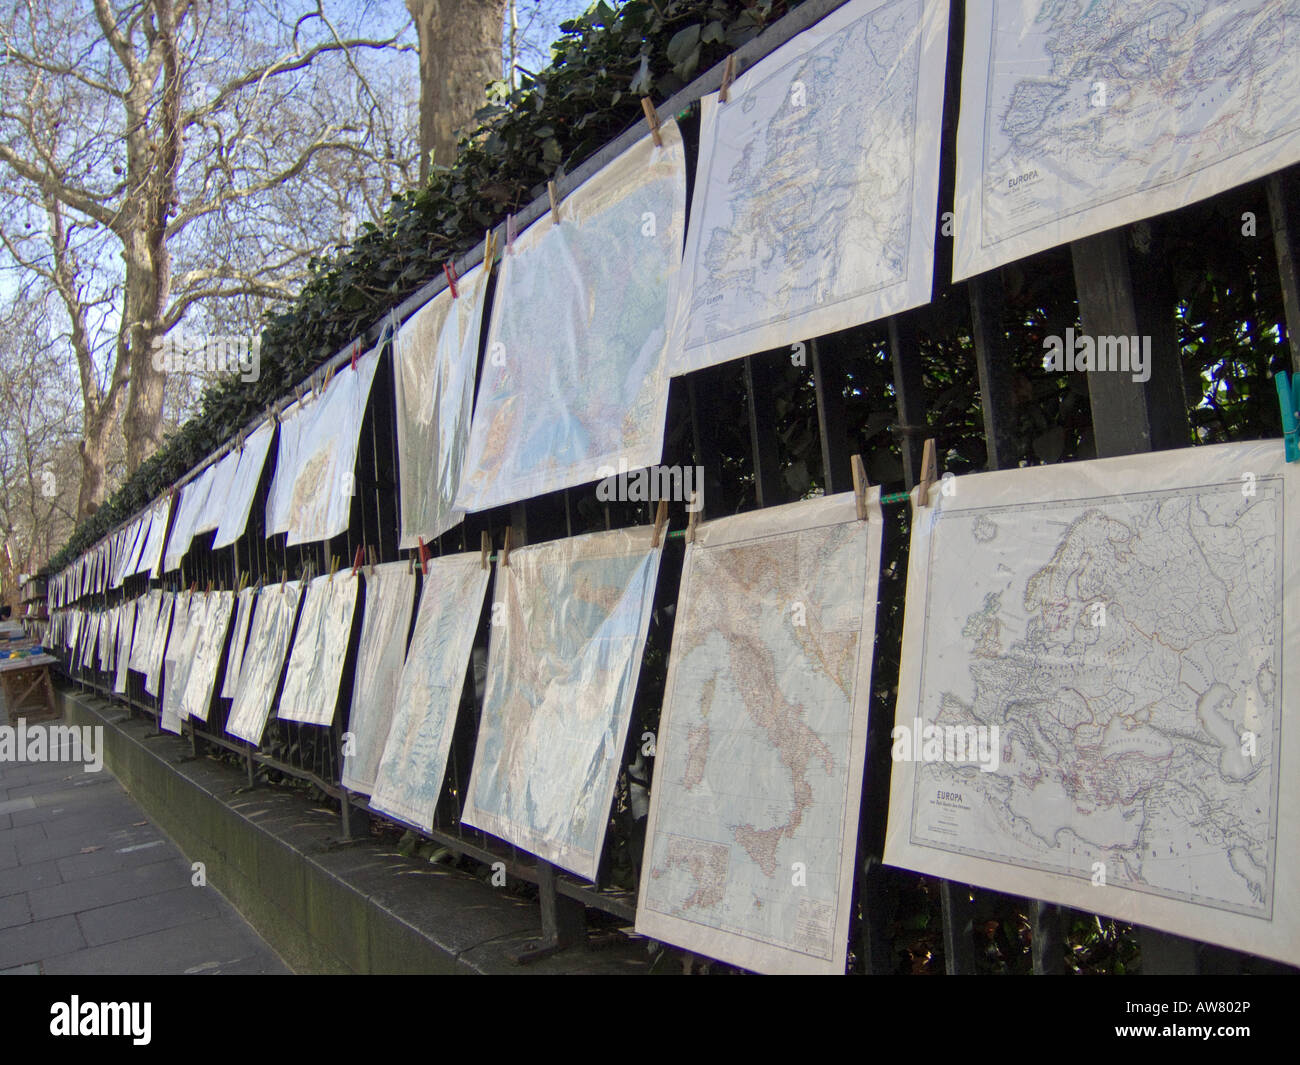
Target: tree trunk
x,y
460,52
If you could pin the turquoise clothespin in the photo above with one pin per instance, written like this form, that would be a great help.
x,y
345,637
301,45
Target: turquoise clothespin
x,y
1288,397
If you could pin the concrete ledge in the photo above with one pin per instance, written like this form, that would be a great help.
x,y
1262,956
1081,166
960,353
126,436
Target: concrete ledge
x,y
325,906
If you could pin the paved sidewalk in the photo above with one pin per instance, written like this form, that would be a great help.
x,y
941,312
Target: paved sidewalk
x,y
88,885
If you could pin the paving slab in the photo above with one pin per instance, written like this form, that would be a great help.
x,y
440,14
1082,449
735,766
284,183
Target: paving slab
x,y
89,885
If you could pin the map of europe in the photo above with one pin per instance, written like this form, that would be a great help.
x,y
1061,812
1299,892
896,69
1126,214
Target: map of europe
x,y
1125,651
815,203
1079,117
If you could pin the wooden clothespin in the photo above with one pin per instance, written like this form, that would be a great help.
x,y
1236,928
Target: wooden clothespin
x,y
334,565
485,548
694,520
860,486
728,76
505,551
374,557
661,519
510,234
424,557
555,203
284,578
929,473
357,559
209,591
410,563
243,580
652,117
449,272
489,248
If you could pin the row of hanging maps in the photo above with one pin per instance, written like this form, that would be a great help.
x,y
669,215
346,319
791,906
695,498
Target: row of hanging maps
x,y
1111,637
1090,707
813,210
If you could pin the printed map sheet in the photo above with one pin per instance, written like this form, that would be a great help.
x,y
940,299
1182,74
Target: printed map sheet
x,y
562,672
311,680
1128,627
435,355
814,200
410,776
758,778
574,380
381,650
259,677
1076,118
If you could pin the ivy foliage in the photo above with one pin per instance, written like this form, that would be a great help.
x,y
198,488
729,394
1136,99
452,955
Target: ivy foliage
x,y
602,65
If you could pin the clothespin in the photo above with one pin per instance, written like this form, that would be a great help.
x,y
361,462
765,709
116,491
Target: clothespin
x,y
284,577
193,585
334,565
929,473
357,559
356,352
510,234
410,563
489,248
374,557
243,580
661,519
505,551
860,486
485,548
424,557
694,520
555,203
652,117
1288,398
728,76
209,591
450,272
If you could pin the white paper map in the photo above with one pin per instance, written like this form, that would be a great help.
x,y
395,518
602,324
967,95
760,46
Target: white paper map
x,y
814,203
1076,118
435,355
562,673
409,781
1124,627
259,678
758,777
381,650
320,646
575,375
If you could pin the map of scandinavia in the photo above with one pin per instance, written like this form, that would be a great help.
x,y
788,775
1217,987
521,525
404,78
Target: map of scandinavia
x,y
1128,652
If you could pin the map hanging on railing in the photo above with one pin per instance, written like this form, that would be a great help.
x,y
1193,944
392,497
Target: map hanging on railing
x,y
435,354
1096,696
753,821
814,200
409,780
574,382
1073,123
381,650
563,660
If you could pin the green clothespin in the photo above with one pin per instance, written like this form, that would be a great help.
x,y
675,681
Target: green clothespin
x,y
1288,398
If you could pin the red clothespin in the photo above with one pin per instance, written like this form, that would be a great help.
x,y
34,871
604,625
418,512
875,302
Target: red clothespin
x,y
360,556
424,557
450,271
355,352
